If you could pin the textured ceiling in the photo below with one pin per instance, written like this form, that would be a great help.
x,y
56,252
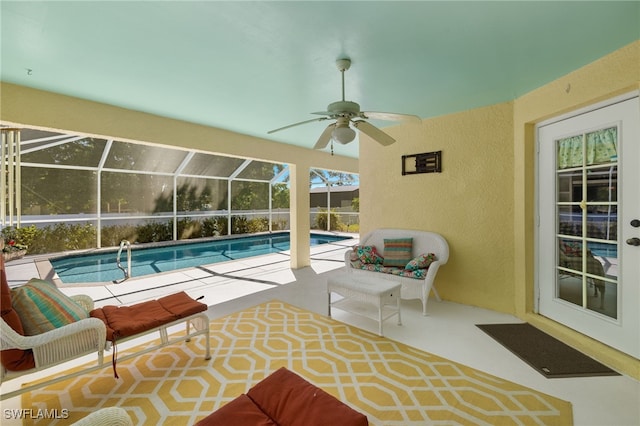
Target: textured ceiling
x,y
251,67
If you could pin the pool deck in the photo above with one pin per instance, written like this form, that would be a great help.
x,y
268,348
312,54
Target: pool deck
x,y
216,283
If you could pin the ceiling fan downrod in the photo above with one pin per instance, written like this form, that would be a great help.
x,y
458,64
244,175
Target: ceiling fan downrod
x,y
343,65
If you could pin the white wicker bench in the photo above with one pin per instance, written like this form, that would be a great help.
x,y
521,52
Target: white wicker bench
x,y
423,242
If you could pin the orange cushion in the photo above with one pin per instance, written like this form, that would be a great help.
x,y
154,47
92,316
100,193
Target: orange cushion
x,y
129,320
181,305
124,321
239,412
292,401
99,313
12,359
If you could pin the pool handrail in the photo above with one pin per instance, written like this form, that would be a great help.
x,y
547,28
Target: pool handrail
x,y
127,271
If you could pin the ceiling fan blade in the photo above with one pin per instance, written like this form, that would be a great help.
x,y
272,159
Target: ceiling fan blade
x,y
389,116
325,137
373,132
322,113
297,124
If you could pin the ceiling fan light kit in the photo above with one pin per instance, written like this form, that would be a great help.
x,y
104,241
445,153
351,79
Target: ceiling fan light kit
x,y
342,133
346,113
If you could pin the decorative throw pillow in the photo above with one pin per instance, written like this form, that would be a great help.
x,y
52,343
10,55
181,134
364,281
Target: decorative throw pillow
x,y
12,359
421,262
397,251
367,254
42,307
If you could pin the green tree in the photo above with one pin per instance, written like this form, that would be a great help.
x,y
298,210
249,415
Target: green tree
x,y
281,196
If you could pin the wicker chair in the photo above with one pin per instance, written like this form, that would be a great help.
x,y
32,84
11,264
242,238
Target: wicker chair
x,y
55,347
111,416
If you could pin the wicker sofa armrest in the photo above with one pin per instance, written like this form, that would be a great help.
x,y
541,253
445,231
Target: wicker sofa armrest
x,y
110,416
85,301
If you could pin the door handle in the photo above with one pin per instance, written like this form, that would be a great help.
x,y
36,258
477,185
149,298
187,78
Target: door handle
x,y
635,241
635,223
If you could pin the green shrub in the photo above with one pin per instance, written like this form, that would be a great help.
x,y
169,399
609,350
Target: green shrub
x,y
69,236
334,218
112,235
258,224
214,226
279,224
53,238
189,228
153,232
239,225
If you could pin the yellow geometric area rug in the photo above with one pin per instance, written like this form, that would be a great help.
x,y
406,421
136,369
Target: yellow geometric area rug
x,y
391,383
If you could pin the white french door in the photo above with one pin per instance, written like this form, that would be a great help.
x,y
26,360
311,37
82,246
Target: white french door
x,y
588,242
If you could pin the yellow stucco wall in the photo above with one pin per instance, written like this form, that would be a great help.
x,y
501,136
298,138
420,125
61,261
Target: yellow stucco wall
x,y
470,202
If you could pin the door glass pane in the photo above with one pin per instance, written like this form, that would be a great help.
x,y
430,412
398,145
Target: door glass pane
x,y
602,222
570,276
587,223
569,187
602,294
570,220
602,146
602,195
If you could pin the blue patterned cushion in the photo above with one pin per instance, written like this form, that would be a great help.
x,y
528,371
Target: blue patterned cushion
x,y
421,262
367,254
418,274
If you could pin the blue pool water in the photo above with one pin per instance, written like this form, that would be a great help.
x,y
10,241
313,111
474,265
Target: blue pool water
x,y
604,250
101,267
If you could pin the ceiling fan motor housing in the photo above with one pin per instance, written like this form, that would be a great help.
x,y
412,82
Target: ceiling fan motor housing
x,y
344,108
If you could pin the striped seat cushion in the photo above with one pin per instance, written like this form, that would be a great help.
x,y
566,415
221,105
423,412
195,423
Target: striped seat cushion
x,y
397,251
42,307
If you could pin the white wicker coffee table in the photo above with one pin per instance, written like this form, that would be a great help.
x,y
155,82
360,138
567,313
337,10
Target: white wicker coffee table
x,y
375,298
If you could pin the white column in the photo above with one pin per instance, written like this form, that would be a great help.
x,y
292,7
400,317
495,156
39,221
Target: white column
x,y
300,220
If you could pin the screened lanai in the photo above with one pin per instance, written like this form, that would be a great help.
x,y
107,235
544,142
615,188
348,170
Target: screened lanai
x,y
67,191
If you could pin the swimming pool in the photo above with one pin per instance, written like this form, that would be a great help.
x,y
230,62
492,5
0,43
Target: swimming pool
x,y
101,267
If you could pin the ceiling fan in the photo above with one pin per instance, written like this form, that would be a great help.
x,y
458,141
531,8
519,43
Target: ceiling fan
x,y
346,113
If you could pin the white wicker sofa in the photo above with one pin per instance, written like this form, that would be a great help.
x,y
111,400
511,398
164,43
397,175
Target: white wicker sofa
x,y
415,284
84,337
